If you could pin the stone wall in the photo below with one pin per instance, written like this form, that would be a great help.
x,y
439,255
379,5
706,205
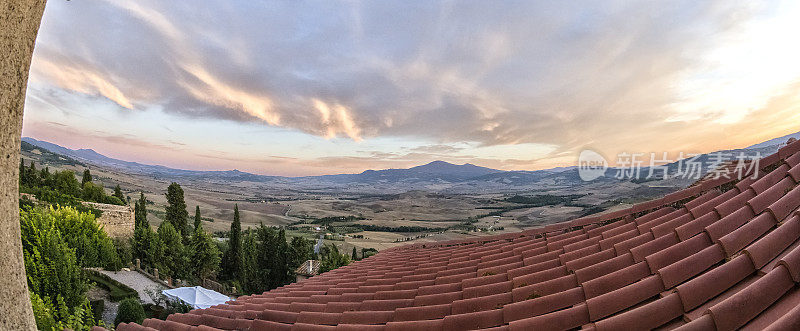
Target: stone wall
x,y
118,221
19,24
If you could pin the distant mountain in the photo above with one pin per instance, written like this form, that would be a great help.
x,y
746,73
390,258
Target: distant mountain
x,y
780,141
436,176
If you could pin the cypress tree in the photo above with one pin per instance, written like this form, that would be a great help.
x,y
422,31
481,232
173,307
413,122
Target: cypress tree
x,y
32,174
176,209
174,253
205,254
87,177
140,212
355,254
234,258
118,193
197,218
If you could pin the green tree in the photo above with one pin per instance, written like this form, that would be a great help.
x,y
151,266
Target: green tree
x,y
147,247
87,177
250,280
33,175
140,212
93,192
130,310
175,259
355,254
118,193
66,183
233,256
198,220
301,250
332,259
205,254
176,209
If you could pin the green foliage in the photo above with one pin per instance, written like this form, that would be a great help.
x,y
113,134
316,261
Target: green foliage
x,y
332,258
56,243
118,194
232,260
175,259
87,177
176,209
59,316
147,247
198,219
124,251
355,254
367,252
140,212
302,249
205,256
117,291
130,310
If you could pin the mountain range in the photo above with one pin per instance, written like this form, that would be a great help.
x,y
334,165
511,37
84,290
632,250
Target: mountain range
x,y
438,176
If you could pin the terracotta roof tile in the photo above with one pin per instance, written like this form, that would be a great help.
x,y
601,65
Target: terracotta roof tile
x,y
691,266
662,242
789,321
427,325
782,307
566,319
610,242
762,201
703,323
422,313
545,288
769,247
591,259
366,317
473,321
360,327
582,244
708,285
792,264
729,223
623,298
481,303
677,252
318,318
669,226
529,269
743,306
696,226
542,305
603,268
615,280
747,233
624,247
649,316
709,205
437,299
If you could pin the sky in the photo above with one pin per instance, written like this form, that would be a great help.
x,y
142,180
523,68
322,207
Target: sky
x,y
321,87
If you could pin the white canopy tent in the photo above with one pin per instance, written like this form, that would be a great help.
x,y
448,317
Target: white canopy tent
x,y
197,297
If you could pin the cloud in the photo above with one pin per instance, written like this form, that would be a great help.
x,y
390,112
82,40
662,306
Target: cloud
x,y
609,74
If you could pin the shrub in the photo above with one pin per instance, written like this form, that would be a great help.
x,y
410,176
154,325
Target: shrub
x,y
117,291
97,309
130,310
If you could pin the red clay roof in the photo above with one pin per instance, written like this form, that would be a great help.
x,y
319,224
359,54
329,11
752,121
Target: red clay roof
x,y
713,256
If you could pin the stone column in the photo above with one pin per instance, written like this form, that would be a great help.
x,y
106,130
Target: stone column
x,y
19,24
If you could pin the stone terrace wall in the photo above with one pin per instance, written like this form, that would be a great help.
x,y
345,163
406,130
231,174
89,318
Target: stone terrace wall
x,y
118,221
